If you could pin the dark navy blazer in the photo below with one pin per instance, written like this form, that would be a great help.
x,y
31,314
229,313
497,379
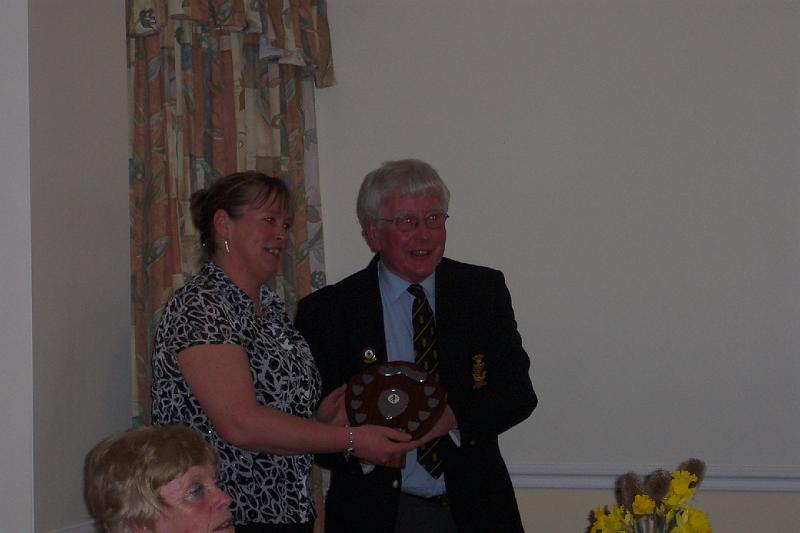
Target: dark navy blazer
x,y
474,317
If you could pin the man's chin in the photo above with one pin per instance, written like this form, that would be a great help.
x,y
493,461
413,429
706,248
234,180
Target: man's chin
x,y
421,272
413,269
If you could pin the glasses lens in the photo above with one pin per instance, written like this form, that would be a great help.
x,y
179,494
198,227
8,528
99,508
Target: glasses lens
x,y
435,220
406,223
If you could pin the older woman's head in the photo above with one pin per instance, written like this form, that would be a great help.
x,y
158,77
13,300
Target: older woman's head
x,y
234,195
155,479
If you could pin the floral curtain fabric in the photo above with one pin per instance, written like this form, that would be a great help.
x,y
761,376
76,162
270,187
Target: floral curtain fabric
x,y
218,86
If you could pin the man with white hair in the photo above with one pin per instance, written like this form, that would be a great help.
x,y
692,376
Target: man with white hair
x,y
456,481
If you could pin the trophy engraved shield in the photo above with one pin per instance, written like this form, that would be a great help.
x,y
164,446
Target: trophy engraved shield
x,y
398,395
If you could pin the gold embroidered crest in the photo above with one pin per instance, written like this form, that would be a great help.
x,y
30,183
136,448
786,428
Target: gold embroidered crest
x,y
478,371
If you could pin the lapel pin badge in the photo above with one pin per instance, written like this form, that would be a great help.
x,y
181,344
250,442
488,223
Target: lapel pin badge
x,y
369,356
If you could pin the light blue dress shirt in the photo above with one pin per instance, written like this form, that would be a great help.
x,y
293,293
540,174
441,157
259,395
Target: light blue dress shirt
x,y
397,303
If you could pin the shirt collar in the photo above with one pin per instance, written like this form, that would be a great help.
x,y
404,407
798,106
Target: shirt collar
x,y
393,286
233,292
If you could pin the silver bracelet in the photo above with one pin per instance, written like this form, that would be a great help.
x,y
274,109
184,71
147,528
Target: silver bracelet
x,y
350,447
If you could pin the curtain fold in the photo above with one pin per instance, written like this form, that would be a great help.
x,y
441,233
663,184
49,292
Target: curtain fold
x,y
215,87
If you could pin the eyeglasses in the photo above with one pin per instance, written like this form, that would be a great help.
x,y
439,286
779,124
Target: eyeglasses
x,y
406,223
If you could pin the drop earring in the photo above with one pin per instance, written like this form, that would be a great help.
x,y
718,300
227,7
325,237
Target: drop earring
x,y
228,250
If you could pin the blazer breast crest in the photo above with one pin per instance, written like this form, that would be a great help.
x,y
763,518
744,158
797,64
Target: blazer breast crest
x,y
478,371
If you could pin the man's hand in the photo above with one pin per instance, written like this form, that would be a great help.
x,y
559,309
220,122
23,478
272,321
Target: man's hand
x,y
331,410
445,423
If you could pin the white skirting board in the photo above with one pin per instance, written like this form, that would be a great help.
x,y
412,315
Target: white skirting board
x,y
85,527
737,478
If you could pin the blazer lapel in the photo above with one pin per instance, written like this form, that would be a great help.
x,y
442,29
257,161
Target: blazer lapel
x,y
446,306
366,305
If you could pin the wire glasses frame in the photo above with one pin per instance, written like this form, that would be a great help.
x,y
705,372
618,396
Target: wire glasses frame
x,y
407,223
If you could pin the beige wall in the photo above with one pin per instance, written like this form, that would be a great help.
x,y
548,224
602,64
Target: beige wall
x,y
730,512
79,224
65,365
631,167
16,352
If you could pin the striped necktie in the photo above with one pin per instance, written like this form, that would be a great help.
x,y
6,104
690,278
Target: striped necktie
x,y
425,355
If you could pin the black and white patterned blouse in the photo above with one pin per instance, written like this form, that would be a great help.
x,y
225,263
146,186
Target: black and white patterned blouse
x,y
211,309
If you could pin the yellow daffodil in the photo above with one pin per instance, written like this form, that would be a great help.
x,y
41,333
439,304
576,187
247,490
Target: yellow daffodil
x,y
621,519
668,512
599,520
617,521
679,490
691,521
643,504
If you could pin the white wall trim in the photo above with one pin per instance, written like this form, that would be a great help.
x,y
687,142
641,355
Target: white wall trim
x,y
83,527
597,476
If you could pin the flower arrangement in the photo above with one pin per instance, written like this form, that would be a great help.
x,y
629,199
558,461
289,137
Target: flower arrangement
x,y
658,504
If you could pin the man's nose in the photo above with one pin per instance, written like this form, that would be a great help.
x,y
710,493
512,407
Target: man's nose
x,y
422,230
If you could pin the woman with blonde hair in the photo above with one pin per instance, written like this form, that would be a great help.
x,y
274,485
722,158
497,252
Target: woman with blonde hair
x,y
155,480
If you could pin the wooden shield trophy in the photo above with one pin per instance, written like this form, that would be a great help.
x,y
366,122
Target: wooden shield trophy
x,y
398,395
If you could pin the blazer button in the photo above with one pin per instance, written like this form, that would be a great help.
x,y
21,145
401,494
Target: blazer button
x,y
472,442
395,484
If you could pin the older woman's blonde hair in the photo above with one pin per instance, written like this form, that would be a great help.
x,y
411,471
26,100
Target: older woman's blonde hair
x,y
124,472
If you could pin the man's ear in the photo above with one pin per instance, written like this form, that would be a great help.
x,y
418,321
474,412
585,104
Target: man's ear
x,y
370,231
221,222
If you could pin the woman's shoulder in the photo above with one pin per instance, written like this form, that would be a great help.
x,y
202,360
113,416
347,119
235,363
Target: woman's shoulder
x,y
202,290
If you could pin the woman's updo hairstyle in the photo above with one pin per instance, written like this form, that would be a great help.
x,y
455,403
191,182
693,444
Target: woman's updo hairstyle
x,y
233,194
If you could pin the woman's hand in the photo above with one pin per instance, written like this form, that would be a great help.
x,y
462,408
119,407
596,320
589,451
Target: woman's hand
x,y
331,408
378,444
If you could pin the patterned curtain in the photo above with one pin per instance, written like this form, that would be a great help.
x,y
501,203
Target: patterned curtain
x,y
218,86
